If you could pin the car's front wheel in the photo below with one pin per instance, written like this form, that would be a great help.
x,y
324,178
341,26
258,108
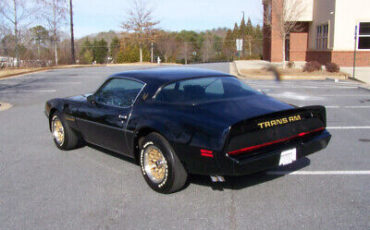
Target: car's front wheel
x,y
64,137
160,166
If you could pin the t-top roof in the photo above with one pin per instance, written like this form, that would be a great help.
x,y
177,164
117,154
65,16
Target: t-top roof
x,y
159,76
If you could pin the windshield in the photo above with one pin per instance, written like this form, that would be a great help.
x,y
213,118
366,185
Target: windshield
x,y
201,90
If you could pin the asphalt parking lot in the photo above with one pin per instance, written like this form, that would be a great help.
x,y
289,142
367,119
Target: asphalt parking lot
x,y
42,187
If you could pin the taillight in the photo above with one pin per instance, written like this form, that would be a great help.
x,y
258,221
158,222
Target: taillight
x,y
206,153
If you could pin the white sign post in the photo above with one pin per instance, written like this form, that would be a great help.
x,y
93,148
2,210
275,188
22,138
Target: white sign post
x,y
239,44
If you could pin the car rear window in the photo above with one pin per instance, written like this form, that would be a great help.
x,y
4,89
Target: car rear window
x,y
201,90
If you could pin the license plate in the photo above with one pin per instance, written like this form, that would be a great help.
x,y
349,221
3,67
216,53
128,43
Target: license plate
x,y
288,156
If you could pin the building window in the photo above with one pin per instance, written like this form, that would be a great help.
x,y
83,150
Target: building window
x,y
364,35
322,36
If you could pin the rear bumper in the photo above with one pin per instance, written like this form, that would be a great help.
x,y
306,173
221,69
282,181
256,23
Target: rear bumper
x,y
232,166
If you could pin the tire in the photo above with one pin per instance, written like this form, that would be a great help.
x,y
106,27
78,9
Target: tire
x,y
64,137
168,174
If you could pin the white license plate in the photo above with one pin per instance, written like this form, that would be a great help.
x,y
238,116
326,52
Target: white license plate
x,y
288,156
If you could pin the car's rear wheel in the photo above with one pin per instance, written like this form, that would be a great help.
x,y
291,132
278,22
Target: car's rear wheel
x,y
160,166
64,137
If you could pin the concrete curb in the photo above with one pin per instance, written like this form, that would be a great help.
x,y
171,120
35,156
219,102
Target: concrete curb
x,y
366,87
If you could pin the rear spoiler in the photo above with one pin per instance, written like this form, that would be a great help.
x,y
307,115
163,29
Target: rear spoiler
x,y
300,113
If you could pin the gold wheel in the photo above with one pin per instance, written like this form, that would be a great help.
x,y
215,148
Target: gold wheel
x,y
155,164
57,130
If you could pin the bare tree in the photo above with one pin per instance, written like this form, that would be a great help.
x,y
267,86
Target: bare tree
x,y
207,47
140,22
285,18
167,46
15,14
54,12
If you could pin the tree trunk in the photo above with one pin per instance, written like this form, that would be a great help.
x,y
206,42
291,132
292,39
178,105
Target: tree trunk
x,y
152,53
186,53
141,54
16,34
55,32
56,52
250,47
38,49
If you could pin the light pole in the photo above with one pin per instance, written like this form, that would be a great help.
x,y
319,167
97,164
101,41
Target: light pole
x,y
72,34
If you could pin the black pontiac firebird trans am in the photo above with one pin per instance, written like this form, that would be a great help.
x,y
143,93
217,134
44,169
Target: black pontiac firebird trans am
x,y
175,121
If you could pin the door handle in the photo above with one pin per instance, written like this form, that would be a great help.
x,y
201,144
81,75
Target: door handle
x,y
122,117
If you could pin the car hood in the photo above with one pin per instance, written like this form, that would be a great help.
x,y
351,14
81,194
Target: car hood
x,y
79,97
234,110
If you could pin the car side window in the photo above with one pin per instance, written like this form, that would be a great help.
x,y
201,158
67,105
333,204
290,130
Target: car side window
x,y
119,92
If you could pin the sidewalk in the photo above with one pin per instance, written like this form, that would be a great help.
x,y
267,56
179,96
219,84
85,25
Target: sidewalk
x,y
362,73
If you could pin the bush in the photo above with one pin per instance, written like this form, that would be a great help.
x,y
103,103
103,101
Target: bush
x,y
312,66
290,64
332,67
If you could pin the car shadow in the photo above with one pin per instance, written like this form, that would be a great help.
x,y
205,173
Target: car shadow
x,y
231,182
113,154
241,182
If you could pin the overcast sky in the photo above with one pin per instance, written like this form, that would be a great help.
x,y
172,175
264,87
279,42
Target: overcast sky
x,y
92,16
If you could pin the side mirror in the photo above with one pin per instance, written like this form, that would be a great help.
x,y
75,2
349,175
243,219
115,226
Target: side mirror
x,y
91,99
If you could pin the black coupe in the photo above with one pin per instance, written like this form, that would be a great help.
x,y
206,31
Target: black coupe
x,y
175,121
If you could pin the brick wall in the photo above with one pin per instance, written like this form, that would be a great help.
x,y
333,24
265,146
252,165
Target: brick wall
x,y
345,58
342,58
272,42
298,46
276,40
321,56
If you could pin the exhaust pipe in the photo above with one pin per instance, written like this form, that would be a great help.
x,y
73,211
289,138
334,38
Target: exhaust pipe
x,y
217,179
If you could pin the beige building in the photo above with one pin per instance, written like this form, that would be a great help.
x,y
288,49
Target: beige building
x,y
325,31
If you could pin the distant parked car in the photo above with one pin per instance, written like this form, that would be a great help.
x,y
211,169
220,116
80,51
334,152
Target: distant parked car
x,y
176,121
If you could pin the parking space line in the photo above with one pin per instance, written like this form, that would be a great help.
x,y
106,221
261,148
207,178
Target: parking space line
x,y
29,91
348,107
65,83
293,95
344,95
304,87
348,127
357,172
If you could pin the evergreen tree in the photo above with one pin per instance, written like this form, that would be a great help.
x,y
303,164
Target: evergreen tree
x,y
100,51
39,35
114,48
86,54
249,36
229,45
236,31
258,33
249,28
242,29
243,35
130,51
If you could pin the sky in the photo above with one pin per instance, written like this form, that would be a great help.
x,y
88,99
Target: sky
x,y
93,16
